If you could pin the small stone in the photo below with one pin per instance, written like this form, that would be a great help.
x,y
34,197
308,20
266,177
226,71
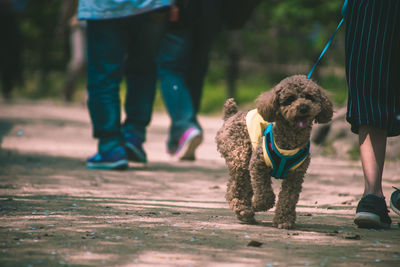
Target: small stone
x,y
214,187
352,236
254,243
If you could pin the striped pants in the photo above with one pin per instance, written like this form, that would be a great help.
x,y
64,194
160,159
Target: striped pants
x,y
373,64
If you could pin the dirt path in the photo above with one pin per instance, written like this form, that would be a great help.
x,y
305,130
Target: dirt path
x,y
55,212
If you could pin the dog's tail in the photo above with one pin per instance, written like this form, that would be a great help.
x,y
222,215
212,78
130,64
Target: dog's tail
x,y
230,108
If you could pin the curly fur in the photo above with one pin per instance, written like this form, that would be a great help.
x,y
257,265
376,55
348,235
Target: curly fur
x,y
294,105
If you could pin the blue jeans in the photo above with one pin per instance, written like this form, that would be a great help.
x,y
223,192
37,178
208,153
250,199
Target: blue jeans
x,y
117,48
182,65
173,64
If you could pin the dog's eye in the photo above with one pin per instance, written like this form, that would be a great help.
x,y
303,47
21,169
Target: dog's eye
x,y
310,97
288,100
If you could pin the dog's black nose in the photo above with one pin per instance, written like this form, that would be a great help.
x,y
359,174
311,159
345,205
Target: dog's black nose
x,y
303,109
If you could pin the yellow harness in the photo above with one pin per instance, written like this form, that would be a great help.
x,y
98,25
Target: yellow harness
x,y
280,160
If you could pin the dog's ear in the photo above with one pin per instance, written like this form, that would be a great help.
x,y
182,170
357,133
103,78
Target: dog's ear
x,y
267,105
326,108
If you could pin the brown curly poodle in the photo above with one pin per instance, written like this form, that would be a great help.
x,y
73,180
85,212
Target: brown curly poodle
x,y
272,140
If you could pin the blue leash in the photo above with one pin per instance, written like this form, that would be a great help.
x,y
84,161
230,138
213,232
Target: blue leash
x,y
326,47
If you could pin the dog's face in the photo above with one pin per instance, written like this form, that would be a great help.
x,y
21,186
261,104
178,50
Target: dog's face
x,y
297,101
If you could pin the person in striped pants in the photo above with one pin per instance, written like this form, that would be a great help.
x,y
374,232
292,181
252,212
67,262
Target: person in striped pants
x,y
373,75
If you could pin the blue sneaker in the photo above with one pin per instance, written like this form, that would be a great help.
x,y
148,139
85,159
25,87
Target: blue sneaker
x,y
112,160
187,144
134,148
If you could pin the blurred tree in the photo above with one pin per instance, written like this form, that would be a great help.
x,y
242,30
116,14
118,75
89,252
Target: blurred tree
x,y
11,67
43,52
287,36
281,37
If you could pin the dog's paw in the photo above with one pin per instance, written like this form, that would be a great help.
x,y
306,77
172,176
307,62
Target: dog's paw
x,y
246,216
258,205
262,203
286,225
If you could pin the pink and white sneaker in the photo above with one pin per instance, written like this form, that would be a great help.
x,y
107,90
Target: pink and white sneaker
x,y
188,143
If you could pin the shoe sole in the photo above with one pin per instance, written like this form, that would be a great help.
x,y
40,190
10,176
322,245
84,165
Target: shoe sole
x,y
118,165
134,154
369,220
188,149
397,211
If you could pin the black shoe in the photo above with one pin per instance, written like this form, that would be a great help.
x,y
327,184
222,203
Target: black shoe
x,y
395,201
372,212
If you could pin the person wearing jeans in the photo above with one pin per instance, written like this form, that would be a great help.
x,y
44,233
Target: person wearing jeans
x,y
123,39
182,65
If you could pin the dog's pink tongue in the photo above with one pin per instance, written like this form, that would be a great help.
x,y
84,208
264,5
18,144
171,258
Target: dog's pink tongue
x,y
302,124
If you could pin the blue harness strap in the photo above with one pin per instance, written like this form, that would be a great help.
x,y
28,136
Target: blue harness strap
x,y
281,164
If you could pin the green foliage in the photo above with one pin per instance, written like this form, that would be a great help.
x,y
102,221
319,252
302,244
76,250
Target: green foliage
x,y
214,96
288,31
328,149
38,25
354,153
337,87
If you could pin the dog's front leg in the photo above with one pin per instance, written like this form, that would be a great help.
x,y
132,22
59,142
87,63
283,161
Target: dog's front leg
x,y
263,195
285,213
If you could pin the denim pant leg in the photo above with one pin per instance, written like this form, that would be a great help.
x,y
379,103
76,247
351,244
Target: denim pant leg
x,y
204,34
172,67
198,68
105,51
141,71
